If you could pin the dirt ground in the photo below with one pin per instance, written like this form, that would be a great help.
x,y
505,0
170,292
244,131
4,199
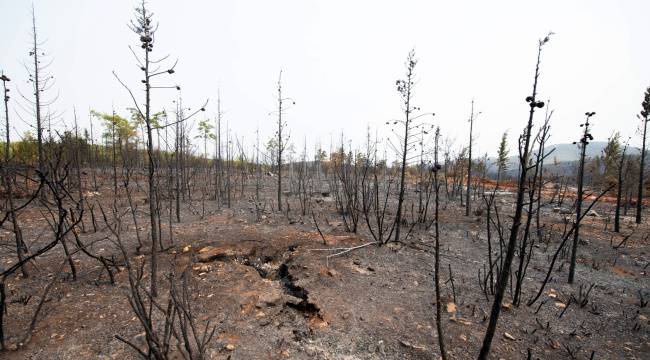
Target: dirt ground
x,y
272,292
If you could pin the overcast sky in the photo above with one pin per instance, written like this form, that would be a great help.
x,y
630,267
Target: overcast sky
x,y
340,60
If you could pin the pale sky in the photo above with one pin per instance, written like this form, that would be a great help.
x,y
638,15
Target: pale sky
x,y
340,60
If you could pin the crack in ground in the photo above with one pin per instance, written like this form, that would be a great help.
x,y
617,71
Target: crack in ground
x,y
306,307
288,283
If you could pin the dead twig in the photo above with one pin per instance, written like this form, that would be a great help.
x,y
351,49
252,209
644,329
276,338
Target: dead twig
x,y
318,228
343,250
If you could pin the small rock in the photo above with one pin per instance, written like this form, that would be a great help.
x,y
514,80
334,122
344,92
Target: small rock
x,y
394,246
210,253
508,336
593,213
381,348
202,268
555,344
412,346
272,297
316,322
451,307
230,347
140,341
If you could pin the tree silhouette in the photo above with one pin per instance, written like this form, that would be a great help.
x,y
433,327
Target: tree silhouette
x,y
524,152
645,117
584,141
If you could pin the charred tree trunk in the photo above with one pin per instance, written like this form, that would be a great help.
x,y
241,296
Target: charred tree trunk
x,y
581,171
436,185
619,191
468,199
21,247
405,87
639,198
504,274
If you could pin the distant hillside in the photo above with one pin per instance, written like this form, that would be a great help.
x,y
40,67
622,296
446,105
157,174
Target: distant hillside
x,y
571,152
562,159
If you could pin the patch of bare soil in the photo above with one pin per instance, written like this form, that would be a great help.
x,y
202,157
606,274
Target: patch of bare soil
x,y
272,294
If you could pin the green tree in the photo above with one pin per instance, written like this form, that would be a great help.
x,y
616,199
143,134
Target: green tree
x,y
611,157
271,149
26,150
118,129
502,157
205,133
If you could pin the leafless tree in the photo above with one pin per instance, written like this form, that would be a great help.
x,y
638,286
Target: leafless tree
x,y
619,187
645,118
281,137
218,168
468,199
407,139
527,242
143,26
435,169
524,151
375,195
584,140
21,247
37,103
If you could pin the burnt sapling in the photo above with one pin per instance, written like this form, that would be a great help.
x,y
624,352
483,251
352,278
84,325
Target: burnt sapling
x,y
144,28
406,136
524,152
584,141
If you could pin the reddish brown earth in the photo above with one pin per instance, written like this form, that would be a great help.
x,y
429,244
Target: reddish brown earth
x,y
271,292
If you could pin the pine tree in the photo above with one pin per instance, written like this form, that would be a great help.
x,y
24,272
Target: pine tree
x,y
645,117
502,157
610,160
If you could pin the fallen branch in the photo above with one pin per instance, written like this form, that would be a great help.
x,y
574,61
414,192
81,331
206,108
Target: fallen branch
x,y
622,243
343,250
318,228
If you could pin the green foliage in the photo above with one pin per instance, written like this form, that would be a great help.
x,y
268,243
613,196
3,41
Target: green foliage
x,y
502,158
272,148
611,157
117,127
137,119
205,130
25,150
321,155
